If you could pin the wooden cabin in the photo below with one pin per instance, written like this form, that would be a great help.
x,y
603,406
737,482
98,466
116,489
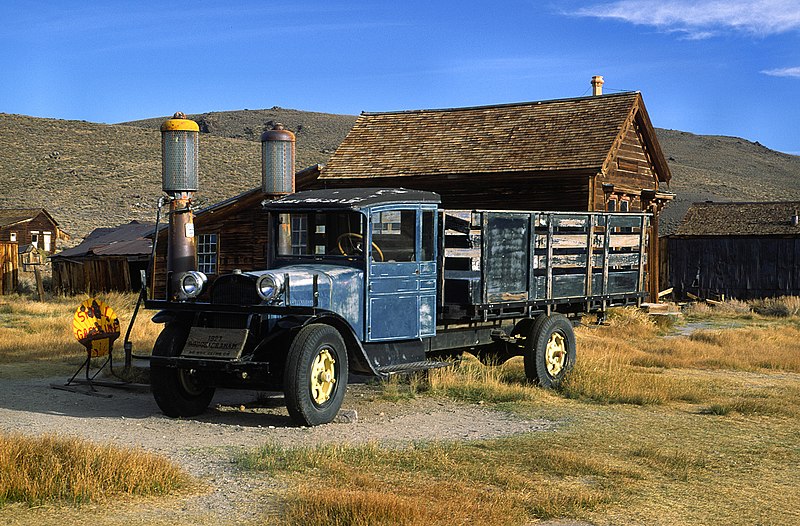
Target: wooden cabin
x,y
737,250
582,154
31,226
109,259
231,234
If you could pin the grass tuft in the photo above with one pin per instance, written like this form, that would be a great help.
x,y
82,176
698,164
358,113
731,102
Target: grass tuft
x,y
36,470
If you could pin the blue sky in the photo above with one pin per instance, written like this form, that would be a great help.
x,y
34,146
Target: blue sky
x,y
712,67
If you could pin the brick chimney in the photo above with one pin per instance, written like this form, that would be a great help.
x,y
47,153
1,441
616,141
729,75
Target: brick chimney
x,y
597,85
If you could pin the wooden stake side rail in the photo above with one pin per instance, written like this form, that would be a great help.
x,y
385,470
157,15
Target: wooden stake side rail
x,y
493,260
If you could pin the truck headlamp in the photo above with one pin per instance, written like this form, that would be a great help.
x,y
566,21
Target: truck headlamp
x,y
269,287
192,283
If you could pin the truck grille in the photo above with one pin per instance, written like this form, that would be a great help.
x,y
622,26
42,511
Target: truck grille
x,y
235,289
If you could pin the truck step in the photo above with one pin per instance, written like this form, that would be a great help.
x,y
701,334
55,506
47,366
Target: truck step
x,y
412,367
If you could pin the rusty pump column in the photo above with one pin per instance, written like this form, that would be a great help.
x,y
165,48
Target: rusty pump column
x,y
179,141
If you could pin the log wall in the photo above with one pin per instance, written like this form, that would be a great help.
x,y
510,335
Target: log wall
x,y
9,267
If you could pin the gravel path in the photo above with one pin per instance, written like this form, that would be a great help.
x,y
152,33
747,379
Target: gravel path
x,y
236,420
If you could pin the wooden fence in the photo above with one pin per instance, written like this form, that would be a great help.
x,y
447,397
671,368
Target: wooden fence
x,y
9,267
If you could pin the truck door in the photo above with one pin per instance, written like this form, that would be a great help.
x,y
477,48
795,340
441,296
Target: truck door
x,y
401,291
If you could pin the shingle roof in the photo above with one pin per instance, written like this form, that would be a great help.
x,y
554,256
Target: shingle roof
x,y
567,134
124,240
740,219
10,216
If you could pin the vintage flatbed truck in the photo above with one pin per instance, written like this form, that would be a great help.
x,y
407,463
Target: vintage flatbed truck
x,y
381,281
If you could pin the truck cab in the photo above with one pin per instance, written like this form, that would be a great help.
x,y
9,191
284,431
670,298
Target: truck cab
x,y
352,275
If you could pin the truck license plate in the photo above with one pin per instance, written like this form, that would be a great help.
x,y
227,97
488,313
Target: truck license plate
x,y
204,342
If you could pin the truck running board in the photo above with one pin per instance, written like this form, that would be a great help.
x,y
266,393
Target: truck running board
x,y
411,367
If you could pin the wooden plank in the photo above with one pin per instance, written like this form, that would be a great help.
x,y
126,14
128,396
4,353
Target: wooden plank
x,y
589,255
549,263
561,261
629,259
643,250
560,240
625,241
570,221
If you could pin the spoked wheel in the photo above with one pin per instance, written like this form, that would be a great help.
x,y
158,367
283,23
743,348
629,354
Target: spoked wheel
x,y
178,392
549,350
315,378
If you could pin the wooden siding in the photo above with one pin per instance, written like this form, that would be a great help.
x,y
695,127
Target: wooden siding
x,y
105,274
9,271
743,267
519,191
40,223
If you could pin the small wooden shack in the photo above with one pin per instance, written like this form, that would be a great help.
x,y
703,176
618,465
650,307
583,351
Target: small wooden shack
x,y
582,154
109,259
737,250
31,226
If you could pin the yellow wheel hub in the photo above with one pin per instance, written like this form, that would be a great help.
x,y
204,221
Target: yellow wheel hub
x,y
323,372
556,353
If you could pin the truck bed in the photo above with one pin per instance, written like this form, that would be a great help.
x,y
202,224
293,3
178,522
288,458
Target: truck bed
x,y
496,264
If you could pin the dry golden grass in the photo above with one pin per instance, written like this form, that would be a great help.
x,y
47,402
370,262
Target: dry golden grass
x,y
688,430
37,470
42,331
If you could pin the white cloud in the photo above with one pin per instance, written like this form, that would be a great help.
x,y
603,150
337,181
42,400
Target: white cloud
x,y
783,72
700,19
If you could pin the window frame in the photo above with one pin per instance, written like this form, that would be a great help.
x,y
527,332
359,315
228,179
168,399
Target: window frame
x,y
203,265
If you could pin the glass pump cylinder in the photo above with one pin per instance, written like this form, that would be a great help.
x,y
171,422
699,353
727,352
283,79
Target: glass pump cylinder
x,y
277,161
179,141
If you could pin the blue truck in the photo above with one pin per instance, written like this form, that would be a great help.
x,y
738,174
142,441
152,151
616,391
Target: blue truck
x,y
382,281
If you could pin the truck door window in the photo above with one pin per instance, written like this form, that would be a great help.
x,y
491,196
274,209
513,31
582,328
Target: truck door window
x,y
320,234
427,235
394,236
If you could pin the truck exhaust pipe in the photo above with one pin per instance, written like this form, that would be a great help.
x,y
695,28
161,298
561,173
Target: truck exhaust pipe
x,y
179,178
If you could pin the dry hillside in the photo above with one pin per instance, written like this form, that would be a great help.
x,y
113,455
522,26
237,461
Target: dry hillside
x,y
96,175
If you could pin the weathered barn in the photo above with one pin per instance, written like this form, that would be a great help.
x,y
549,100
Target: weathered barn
x,y
739,250
30,226
109,259
589,153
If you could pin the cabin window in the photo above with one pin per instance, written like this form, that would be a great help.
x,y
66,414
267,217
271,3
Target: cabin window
x,y
46,236
207,253
624,205
13,236
394,235
35,238
612,205
299,234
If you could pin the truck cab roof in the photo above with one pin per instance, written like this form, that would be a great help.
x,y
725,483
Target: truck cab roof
x,y
351,198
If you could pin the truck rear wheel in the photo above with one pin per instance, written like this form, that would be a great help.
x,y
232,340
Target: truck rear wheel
x,y
178,392
315,378
549,350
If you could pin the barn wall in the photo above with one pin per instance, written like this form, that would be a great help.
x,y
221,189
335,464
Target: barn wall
x,y
91,275
9,271
738,267
511,191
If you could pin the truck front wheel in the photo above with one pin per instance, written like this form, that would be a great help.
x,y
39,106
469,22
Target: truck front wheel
x,y
178,392
315,377
549,350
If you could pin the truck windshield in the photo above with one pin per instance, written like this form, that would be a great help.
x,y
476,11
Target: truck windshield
x,y
321,234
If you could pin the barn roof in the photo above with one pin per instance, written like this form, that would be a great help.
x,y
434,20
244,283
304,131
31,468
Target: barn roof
x,y
740,219
124,240
578,134
12,216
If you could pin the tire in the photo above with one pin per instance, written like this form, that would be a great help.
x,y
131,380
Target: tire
x,y
315,377
178,392
549,350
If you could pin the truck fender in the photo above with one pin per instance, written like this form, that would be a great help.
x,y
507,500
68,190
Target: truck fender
x,y
164,316
359,363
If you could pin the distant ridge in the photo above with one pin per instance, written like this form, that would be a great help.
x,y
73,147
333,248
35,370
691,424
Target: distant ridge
x,y
92,175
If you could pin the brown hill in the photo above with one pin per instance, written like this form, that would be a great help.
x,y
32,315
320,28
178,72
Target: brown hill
x,y
96,175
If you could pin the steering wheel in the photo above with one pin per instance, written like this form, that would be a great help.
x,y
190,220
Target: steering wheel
x,y
355,241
